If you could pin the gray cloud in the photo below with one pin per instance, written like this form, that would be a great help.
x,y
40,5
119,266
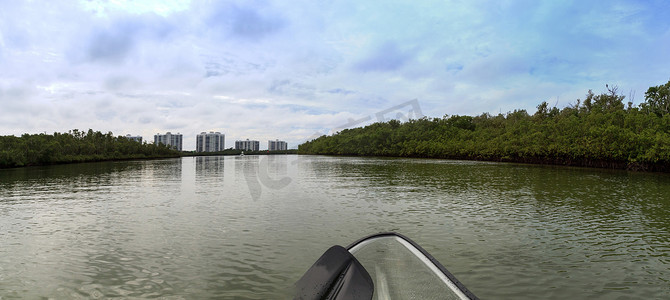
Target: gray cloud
x,y
245,21
340,91
14,37
15,93
495,68
387,57
249,23
229,64
121,83
113,43
287,87
20,111
109,46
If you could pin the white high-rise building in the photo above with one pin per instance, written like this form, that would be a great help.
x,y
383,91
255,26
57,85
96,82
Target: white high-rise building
x,y
134,138
210,142
247,145
277,145
174,141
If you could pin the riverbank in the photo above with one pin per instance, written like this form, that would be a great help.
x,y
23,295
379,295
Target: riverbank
x,y
93,146
599,132
75,147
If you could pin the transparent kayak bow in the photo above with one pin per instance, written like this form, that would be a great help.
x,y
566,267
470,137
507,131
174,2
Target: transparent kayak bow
x,y
381,266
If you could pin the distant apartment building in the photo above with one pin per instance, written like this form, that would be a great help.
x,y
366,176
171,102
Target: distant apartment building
x,y
210,142
172,140
247,145
134,138
277,145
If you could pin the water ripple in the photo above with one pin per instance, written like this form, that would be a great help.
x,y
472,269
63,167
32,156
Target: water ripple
x,y
190,228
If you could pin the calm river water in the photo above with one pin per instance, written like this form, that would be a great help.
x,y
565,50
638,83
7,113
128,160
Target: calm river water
x,y
248,227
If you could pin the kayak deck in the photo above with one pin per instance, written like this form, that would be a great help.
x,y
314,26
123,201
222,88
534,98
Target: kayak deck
x,y
381,266
400,269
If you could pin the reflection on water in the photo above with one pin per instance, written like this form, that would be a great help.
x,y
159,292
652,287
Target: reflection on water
x,y
248,227
264,172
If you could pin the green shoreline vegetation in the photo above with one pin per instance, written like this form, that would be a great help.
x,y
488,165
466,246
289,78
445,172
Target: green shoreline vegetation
x,y
73,147
600,131
76,146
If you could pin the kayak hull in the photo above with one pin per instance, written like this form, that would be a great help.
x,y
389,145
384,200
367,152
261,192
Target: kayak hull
x,y
402,269
380,266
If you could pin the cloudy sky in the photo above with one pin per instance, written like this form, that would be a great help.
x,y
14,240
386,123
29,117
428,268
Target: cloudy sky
x,y
290,69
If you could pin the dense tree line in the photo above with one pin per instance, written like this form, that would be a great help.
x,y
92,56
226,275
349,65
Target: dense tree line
x,y
600,131
74,146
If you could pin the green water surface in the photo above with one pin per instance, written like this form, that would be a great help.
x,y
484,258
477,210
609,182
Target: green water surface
x,y
248,227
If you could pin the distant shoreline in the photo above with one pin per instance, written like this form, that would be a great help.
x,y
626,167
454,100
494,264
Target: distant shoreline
x,y
78,146
229,152
602,165
83,161
139,158
598,132
74,147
